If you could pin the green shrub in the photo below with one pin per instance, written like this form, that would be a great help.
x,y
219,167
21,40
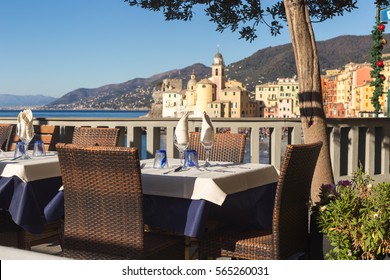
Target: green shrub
x,y
355,216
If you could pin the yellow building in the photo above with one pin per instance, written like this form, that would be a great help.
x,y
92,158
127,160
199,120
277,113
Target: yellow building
x,y
205,91
363,95
268,94
271,94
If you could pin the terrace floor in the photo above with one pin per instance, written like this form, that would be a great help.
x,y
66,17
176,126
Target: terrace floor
x,y
55,249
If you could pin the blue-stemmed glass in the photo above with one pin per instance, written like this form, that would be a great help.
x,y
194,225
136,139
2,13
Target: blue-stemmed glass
x,y
26,141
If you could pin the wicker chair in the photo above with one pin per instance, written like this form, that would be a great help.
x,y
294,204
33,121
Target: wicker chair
x,y
227,147
289,234
49,134
96,136
104,206
5,135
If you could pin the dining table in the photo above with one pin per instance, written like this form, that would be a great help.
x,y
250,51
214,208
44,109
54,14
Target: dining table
x,y
27,186
183,202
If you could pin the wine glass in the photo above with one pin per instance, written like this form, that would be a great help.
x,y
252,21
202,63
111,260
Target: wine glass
x,y
207,144
181,147
26,139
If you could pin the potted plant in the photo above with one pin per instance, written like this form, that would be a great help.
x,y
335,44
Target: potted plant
x,y
355,217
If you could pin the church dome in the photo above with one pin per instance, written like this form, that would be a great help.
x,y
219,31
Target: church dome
x,y
218,60
218,55
205,82
192,82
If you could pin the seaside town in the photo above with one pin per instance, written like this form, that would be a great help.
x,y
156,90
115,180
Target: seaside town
x,y
346,93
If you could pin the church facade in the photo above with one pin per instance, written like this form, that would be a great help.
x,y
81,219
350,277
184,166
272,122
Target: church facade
x,y
219,97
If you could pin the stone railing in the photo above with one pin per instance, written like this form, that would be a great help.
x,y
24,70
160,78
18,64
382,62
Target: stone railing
x,y
365,140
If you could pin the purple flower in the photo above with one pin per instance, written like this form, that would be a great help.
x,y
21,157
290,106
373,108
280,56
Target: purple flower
x,y
344,183
329,188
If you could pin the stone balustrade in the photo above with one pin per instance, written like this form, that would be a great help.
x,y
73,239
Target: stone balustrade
x,y
352,140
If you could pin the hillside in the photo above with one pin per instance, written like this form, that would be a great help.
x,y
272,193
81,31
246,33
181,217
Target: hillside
x,y
263,66
11,101
268,64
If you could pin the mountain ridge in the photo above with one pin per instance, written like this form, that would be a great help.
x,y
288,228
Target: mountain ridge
x,y
11,101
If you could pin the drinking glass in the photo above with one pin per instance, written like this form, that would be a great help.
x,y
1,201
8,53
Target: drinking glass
x,y
26,141
207,144
39,149
181,147
160,159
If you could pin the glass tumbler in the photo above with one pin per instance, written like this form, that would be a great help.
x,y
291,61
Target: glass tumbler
x,y
160,159
39,149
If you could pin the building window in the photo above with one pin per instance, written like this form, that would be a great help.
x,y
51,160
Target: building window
x,y
216,72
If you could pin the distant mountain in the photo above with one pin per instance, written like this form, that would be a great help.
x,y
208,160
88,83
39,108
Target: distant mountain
x,y
133,94
263,66
9,100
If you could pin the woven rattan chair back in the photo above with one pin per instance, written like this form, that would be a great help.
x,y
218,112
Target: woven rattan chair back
x,y
5,135
96,136
104,204
228,147
49,134
289,233
291,208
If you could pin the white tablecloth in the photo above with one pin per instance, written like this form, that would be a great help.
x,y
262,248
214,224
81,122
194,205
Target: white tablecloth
x,y
223,179
33,169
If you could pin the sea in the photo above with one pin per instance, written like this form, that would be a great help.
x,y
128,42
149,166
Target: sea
x,y
77,113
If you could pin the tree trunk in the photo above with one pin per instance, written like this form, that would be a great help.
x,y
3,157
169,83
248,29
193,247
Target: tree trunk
x,y
310,97
310,104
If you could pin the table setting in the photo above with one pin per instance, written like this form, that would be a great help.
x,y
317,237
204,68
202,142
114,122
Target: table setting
x,y
28,182
25,131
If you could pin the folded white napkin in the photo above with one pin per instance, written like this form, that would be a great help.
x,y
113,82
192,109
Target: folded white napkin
x,y
25,124
207,131
181,131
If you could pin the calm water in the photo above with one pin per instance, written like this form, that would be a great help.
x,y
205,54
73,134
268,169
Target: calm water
x,y
77,113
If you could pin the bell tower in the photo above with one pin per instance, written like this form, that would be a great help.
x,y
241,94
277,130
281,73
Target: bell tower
x,y
218,74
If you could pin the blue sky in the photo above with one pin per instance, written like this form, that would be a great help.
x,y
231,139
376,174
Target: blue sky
x,y
51,47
